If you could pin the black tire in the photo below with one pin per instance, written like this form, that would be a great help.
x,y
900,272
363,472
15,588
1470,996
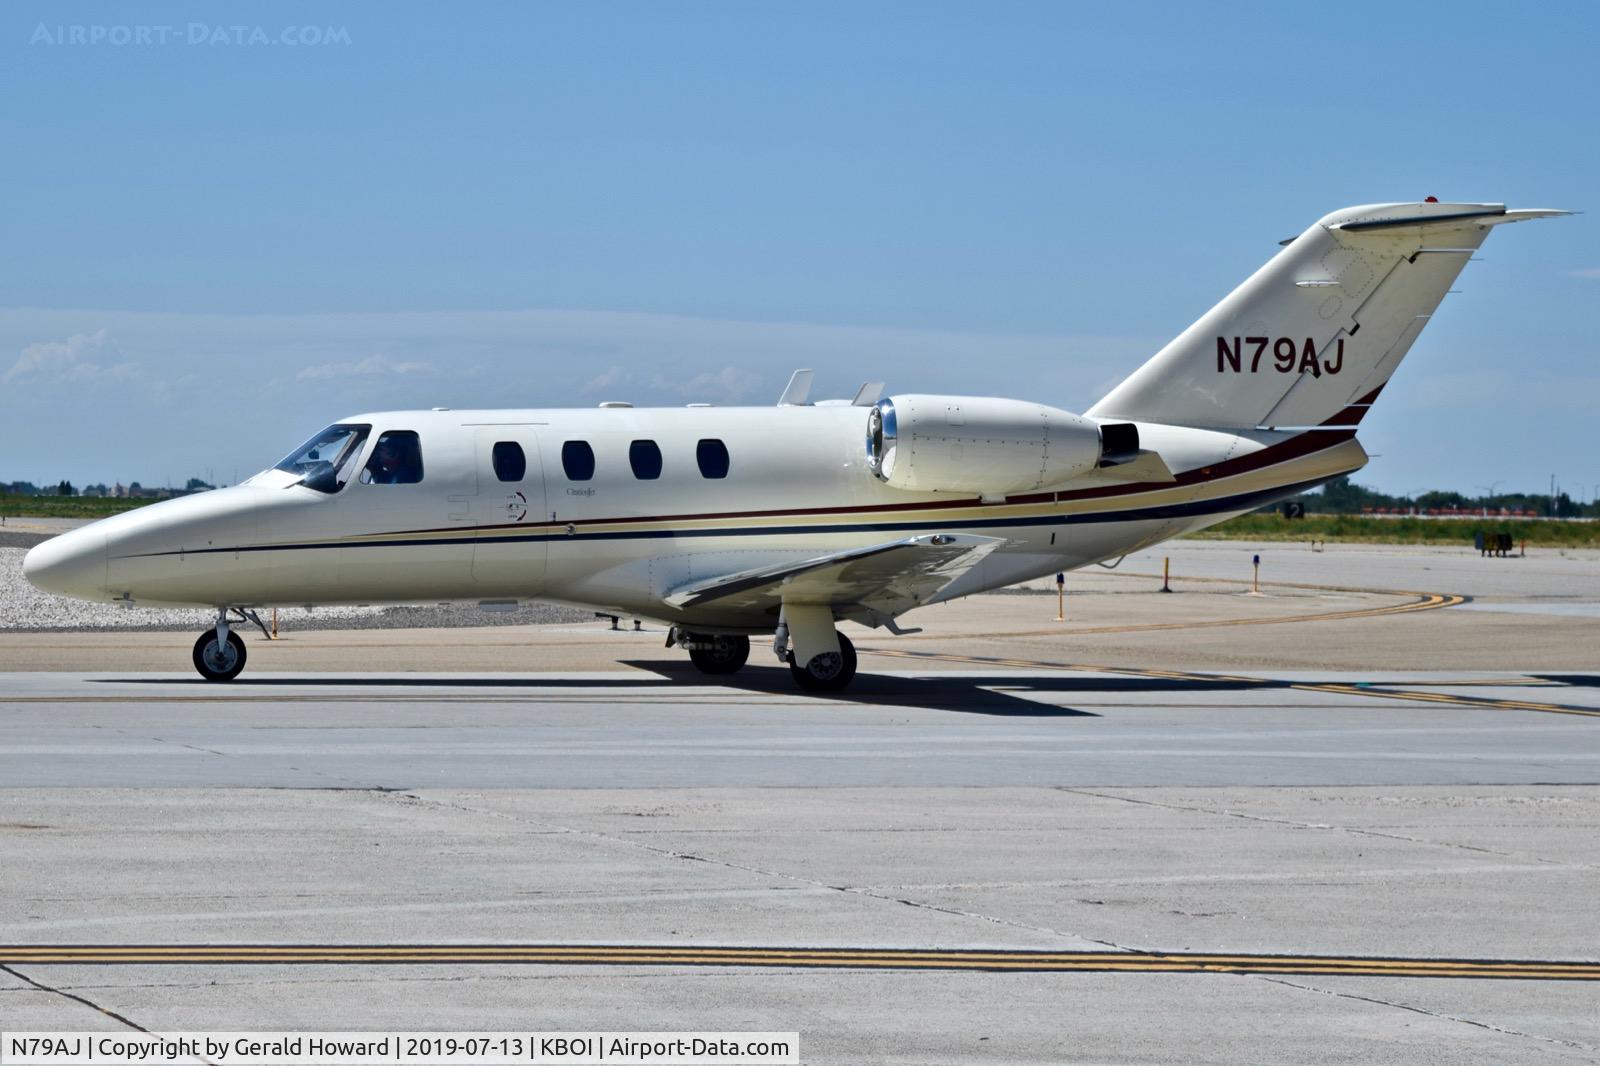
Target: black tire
x,y
215,667
727,655
826,673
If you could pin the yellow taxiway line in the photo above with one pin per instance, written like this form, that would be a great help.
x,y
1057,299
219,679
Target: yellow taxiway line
x,y
796,958
1421,601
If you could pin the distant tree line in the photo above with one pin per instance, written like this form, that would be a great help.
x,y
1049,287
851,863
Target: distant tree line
x,y
133,489
1343,496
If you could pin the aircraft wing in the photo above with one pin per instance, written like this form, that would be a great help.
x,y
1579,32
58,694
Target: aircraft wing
x,y
886,579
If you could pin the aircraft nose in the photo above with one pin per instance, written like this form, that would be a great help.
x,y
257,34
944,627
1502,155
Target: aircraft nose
x,y
73,564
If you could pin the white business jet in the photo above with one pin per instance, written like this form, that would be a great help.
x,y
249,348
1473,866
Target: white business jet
x,y
730,523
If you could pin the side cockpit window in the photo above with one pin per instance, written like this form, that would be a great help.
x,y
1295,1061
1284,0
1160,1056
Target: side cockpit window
x,y
328,460
396,459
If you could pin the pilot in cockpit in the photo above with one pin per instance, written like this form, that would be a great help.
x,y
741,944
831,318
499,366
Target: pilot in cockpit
x,y
396,460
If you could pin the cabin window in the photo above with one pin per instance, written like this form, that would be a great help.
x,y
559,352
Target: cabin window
x,y
396,459
712,455
509,462
645,458
577,459
328,460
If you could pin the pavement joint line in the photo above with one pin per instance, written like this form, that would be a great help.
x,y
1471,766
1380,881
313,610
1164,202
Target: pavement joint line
x,y
1033,961
1378,1001
42,987
1291,823
628,840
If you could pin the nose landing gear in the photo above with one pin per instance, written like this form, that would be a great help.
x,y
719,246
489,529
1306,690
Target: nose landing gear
x,y
219,659
219,654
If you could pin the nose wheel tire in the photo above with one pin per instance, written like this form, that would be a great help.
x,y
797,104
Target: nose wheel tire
x,y
827,672
725,656
218,662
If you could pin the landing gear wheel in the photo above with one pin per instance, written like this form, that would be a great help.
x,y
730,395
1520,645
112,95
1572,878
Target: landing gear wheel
x,y
218,662
725,656
827,672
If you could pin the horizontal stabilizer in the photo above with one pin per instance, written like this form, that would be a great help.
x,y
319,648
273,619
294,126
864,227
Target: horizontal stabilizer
x,y
1494,217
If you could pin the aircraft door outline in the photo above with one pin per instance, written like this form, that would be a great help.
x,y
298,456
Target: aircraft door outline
x,y
509,554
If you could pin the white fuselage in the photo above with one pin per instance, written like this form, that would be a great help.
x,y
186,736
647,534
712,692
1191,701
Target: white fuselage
x,y
797,486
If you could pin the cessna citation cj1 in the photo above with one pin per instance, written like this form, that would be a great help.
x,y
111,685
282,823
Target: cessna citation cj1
x,y
731,523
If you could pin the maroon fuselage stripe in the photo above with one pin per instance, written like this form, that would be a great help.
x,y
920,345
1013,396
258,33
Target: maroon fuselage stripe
x,y
1294,448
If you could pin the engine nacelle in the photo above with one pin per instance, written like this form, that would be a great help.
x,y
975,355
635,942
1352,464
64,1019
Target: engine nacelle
x,y
977,444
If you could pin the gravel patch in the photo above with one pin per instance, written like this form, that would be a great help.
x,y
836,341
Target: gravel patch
x,y
24,608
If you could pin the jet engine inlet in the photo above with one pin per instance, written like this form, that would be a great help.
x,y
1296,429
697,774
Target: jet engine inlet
x,y
977,444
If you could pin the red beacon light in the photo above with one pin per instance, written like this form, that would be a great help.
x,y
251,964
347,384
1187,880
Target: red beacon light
x,y
1431,200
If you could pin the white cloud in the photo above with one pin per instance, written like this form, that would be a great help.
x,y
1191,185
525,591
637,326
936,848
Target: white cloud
x,y
253,385
610,378
729,385
81,358
371,366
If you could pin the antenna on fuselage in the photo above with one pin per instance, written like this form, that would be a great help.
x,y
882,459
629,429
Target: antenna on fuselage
x,y
868,394
795,393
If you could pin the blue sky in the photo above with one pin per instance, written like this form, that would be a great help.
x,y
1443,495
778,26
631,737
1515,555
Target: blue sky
x,y
214,248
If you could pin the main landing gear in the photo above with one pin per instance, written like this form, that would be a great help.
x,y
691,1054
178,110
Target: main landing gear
x,y
713,653
719,654
827,671
820,658
219,654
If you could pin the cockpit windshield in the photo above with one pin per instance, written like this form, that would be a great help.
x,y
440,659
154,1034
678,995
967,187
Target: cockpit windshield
x,y
328,460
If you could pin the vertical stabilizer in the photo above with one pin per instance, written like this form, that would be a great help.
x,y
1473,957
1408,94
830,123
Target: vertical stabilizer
x,y
1311,337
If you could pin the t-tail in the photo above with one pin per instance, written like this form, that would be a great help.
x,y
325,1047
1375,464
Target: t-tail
x,y
1311,338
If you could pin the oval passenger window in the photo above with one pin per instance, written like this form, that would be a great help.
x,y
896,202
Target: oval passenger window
x,y
577,459
509,462
712,455
645,458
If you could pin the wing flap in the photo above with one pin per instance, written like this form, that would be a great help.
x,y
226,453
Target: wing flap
x,y
890,577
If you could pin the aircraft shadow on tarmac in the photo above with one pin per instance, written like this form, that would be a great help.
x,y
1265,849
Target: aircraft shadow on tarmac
x,y
1576,680
970,695
965,693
